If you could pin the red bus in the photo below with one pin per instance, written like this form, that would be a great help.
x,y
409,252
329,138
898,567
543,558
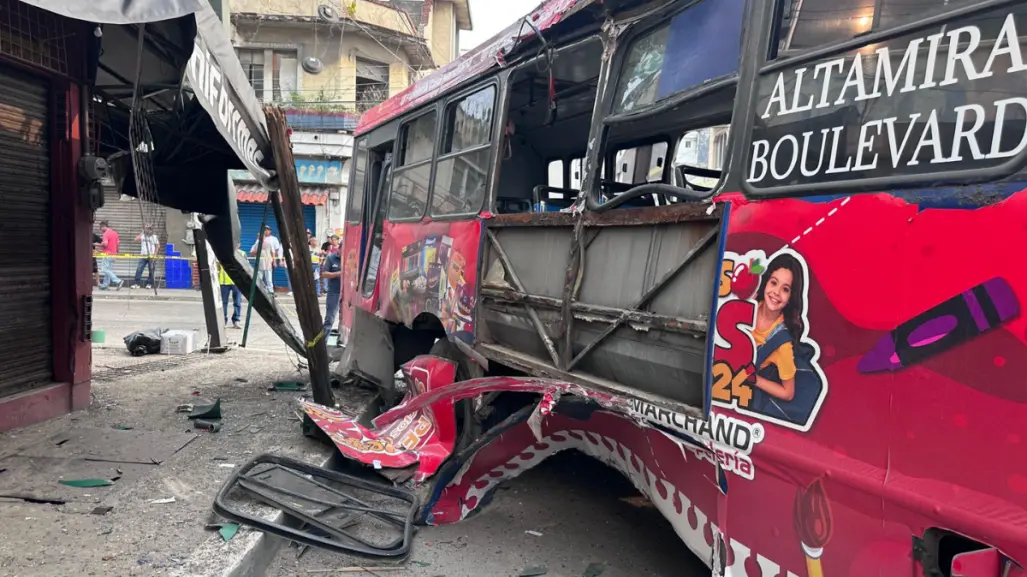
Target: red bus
x,y
759,256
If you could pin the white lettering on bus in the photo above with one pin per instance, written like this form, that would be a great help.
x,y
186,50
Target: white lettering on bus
x,y
937,60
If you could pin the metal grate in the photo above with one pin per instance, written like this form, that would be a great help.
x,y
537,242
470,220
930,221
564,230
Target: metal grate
x,y
34,36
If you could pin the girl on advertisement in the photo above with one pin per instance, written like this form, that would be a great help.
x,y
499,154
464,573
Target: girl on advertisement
x,y
785,385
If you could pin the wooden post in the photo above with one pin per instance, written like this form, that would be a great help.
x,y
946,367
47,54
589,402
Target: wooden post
x,y
288,207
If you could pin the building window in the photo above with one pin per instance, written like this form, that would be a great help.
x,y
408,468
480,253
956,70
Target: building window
x,y
253,64
372,84
283,77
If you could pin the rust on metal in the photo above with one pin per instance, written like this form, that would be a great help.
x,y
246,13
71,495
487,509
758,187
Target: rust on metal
x,y
645,298
694,327
539,327
539,368
684,212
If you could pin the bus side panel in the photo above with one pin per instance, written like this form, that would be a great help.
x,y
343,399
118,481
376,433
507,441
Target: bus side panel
x,y
431,269
908,408
350,274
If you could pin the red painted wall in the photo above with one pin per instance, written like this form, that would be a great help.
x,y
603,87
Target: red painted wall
x,y
71,264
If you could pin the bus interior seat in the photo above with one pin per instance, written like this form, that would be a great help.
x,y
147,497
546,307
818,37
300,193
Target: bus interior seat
x,y
552,198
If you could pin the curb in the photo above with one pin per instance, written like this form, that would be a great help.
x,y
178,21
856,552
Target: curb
x,y
251,552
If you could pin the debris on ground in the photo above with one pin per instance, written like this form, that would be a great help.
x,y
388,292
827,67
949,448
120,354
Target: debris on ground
x,y
122,428
207,411
638,501
288,386
164,501
210,426
227,530
145,342
533,533
534,571
594,570
355,569
103,510
86,483
327,505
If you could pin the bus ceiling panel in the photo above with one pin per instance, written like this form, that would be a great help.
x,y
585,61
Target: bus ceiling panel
x,y
941,105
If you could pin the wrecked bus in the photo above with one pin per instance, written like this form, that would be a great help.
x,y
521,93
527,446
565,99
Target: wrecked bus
x,y
760,257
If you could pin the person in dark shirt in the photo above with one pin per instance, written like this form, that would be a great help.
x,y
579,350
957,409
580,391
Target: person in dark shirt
x,y
97,241
332,272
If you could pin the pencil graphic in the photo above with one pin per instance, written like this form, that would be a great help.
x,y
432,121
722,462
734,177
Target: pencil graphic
x,y
813,525
951,323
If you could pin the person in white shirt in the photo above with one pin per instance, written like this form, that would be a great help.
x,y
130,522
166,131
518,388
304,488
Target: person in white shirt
x,y
270,256
148,244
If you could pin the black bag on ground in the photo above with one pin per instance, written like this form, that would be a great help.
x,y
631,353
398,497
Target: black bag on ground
x,y
145,342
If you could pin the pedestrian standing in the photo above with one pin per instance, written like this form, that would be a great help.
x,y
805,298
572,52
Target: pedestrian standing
x,y
333,273
229,289
315,259
97,243
270,257
110,243
148,244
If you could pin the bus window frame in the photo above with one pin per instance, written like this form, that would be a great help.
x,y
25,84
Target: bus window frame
x,y
348,218
606,110
496,137
404,125
756,64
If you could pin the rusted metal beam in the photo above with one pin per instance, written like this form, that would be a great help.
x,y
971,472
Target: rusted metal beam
x,y
693,327
539,327
571,286
539,368
704,242
685,212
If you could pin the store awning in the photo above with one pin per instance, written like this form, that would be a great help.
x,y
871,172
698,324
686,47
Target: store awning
x,y
311,195
175,61
186,46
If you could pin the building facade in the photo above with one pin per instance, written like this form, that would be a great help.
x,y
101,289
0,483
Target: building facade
x,y
46,260
326,63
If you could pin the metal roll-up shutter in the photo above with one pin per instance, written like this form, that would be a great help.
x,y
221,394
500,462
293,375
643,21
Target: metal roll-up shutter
x,y
26,357
250,214
123,214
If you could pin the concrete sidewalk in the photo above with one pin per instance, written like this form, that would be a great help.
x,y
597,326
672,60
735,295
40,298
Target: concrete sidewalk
x,y
127,293
148,294
50,530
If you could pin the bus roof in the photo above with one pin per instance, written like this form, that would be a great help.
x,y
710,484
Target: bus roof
x,y
484,57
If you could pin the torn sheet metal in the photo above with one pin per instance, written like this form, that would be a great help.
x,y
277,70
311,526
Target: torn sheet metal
x,y
424,436
422,429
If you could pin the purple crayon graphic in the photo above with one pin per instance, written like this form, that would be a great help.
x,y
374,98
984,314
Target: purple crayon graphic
x,y
951,323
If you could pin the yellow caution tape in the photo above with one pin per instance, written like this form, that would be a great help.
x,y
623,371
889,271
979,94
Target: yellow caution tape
x,y
320,335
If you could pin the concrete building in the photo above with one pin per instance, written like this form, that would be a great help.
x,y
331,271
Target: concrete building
x,y
326,63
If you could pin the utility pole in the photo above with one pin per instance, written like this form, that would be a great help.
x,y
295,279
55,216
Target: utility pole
x,y
288,206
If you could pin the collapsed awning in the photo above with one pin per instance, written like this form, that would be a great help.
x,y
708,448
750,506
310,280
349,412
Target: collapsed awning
x,y
171,63
185,40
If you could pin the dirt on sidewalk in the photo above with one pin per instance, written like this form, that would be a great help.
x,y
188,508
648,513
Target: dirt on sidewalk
x,y
130,527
